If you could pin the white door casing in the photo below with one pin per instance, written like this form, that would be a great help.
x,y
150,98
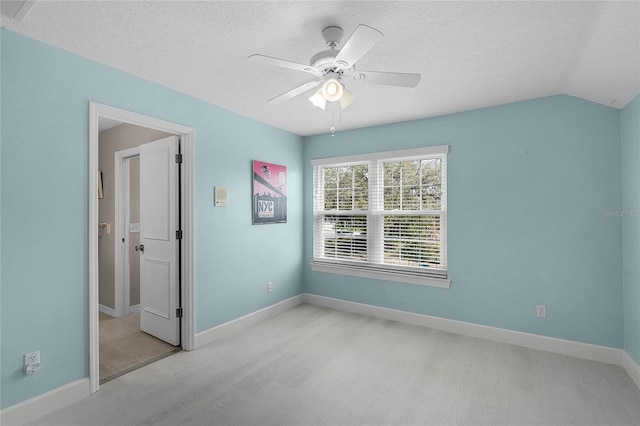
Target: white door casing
x,y
158,225
187,140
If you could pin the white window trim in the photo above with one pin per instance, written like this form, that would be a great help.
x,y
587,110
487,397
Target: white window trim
x,y
405,154
371,273
382,272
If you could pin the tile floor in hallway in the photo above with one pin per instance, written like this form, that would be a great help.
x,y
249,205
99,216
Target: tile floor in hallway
x,y
124,347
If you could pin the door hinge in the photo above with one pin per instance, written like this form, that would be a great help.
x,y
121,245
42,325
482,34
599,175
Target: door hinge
x,y
179,312
179,158
179,235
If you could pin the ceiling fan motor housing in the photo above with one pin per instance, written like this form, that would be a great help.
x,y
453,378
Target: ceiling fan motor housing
x,y
332,35
325,60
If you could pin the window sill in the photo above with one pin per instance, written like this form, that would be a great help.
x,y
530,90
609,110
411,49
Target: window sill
x,y
381,275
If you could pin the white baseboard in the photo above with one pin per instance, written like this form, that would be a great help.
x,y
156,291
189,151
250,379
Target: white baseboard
x,y
222,330
633,369
527,340
41,405
107,310
112,312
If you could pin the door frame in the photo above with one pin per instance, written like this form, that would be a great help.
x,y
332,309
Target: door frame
x,y
187,138
121,226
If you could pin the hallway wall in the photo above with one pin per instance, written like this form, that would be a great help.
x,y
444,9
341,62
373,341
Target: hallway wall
x,y
110,141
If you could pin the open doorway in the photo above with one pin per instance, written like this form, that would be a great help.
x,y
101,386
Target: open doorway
x,y
164,245
127,339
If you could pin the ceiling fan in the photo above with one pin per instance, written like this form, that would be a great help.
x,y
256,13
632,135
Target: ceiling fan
x,y
332,66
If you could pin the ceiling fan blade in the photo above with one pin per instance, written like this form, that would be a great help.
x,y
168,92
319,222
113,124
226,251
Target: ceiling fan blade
x,y
360,42
294,92
388,78
284,64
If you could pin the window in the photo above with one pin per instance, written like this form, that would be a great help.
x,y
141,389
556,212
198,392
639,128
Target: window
x,y
383,215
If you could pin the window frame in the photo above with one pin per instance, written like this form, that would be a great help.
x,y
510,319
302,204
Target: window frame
x,y
375,215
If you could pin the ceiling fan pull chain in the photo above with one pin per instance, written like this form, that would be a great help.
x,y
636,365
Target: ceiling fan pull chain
x,y
332,129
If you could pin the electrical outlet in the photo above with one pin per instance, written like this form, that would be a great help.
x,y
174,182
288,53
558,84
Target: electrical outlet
x,y
32,368
32,362
31,358
269,287
542,311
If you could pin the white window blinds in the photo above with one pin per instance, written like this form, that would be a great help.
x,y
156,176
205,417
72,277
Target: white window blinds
x,y
383,212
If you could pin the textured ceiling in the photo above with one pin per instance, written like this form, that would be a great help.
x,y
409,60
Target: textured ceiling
x,y
470,54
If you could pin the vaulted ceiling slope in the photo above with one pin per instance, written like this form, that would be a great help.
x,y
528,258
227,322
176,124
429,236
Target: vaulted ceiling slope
x,y
470,54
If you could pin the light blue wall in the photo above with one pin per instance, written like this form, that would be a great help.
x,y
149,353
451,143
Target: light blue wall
x,y
529,184
44,153
630,135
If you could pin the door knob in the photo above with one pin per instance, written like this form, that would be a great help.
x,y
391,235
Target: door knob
x,y
140,248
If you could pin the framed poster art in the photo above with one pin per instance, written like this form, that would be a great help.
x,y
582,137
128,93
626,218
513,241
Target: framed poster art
x,y
269,193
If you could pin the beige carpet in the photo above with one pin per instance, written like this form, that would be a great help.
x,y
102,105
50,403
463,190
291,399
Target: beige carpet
x,y
124,348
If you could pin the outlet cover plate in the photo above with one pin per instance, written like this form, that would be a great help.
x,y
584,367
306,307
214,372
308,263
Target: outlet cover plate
x,y
541,311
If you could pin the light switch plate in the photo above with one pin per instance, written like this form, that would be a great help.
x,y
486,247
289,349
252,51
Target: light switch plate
x,y
220,196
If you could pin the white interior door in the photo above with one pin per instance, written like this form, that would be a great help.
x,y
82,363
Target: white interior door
x,y
158,244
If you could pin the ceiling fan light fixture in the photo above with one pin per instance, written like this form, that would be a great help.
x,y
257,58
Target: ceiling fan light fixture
x,y
346,99
318,100
332,90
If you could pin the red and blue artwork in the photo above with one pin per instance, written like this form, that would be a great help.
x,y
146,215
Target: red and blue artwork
x,y
269,193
